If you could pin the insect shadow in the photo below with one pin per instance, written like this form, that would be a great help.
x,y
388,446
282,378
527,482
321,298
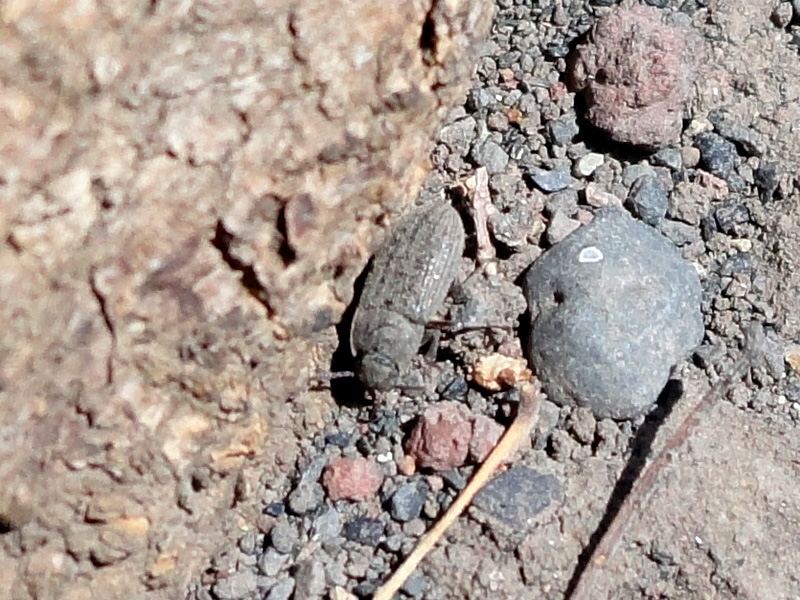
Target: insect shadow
x,y
346,389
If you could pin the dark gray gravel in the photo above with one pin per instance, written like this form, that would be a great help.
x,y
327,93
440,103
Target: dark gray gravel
x,y
406,502
668,157
647,200
415,585
750,141
517,495
613,308
679,233
364,531
490,155
552,180
717,154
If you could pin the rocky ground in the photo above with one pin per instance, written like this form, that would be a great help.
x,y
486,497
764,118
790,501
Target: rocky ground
x,y
719,181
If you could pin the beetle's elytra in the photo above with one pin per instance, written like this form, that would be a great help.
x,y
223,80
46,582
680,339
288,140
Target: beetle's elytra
x,y
407,284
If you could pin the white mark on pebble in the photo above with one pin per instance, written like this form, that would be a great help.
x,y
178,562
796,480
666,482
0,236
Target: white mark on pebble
x,y
590,254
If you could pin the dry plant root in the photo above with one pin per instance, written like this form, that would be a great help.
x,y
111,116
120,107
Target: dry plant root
x,y
530,395
583,589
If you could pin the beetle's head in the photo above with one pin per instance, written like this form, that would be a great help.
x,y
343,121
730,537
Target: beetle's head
x,y
377,371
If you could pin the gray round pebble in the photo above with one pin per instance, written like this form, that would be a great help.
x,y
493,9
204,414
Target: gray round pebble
x,y
668,157
633,172
306,497
459,135
415,585
237,585
647,200
284,537
249,544
282,591
730,215
480,99
613,307
328,525
490,155
515,496
563,130
271,562
309,580
406,503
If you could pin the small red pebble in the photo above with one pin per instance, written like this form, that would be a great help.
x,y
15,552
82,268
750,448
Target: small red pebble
x,y
486,433
440,440
352,479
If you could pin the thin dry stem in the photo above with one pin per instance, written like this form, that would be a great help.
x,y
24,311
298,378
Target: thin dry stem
x,y
526,416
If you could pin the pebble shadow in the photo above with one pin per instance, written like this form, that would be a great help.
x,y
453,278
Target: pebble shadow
x,y
642,445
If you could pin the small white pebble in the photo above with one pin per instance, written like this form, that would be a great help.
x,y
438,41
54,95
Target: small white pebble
x,y
742,245
384,458
587,165
590,254
598,198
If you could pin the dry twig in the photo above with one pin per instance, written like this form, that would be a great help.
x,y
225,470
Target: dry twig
x,y
526,417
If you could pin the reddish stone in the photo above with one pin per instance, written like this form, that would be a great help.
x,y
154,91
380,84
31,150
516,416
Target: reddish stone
x,y
486,433
558,90
636,74
440,440
352,479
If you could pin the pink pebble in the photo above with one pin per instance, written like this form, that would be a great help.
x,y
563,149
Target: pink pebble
x,y
440,440
352,479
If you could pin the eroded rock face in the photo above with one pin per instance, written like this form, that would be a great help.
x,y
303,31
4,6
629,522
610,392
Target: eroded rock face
x,y
636,74
187,192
